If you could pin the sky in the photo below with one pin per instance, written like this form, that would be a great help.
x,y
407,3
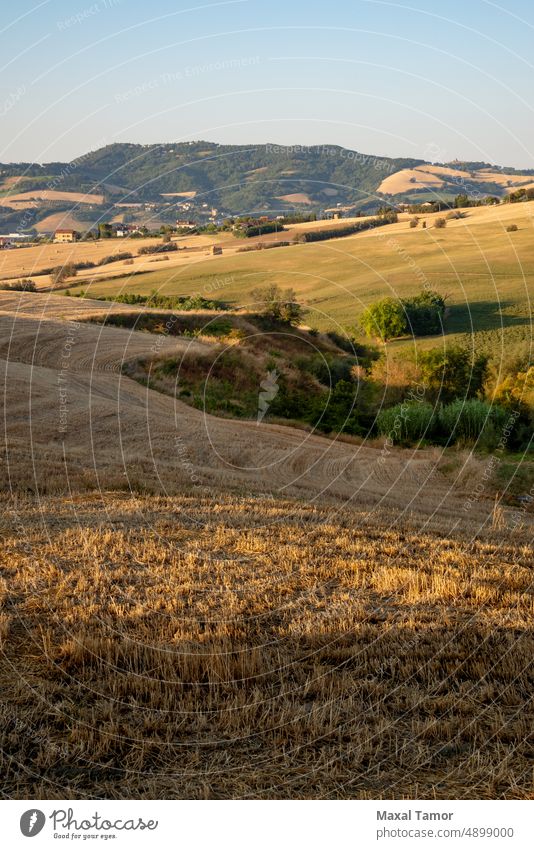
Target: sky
x,y
431,80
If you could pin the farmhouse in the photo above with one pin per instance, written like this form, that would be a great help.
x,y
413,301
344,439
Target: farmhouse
x,y
186,223
124,230
65,236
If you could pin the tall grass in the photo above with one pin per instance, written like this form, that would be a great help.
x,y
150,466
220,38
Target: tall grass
x,y
408,422
472,420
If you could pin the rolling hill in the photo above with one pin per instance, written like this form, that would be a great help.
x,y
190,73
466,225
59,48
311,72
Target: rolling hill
x,y
235,179
485,271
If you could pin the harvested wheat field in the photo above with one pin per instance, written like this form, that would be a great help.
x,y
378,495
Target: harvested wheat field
x,y
221,647
51,195
197,607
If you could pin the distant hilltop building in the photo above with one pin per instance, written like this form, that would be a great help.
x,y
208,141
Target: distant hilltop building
x,y
186,223
65,236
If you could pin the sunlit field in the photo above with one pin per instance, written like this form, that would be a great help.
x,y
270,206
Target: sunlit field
x,y
221,647
485,272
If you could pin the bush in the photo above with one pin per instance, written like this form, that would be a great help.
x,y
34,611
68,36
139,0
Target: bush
x,y
168,302
452,373
408,422
389,318
277,305
253,227
385,319
348,229
158,249
414,222
86,264
474,421
116,257
424,313
267,245
20,286
512,228
61,272
440,223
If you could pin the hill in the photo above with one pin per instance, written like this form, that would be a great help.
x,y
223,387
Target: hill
x,y
485,271
284,615
199,176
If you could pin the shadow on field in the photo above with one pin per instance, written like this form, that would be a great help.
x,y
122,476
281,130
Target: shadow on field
x,y
483,315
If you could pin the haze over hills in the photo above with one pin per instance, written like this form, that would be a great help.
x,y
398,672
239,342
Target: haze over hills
x,y
204,179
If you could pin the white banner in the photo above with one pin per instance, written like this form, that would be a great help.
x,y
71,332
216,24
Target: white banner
x,y
269,824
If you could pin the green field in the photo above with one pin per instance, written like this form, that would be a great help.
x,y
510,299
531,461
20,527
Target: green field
x,y
486,272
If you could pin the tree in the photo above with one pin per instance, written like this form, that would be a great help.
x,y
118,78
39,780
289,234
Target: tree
x,y
517,390
425,313
105,230
454,372
61,272
278,305
385,319
421,315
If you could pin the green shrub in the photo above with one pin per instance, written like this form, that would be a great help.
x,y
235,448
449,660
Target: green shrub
x,y
278,306
408,422
385,319
389,217
473,420
452,373
115,257
425,312
20,286
158,249
390,318
61,272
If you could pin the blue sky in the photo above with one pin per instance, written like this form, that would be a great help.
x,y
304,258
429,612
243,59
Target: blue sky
x,y
431,79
